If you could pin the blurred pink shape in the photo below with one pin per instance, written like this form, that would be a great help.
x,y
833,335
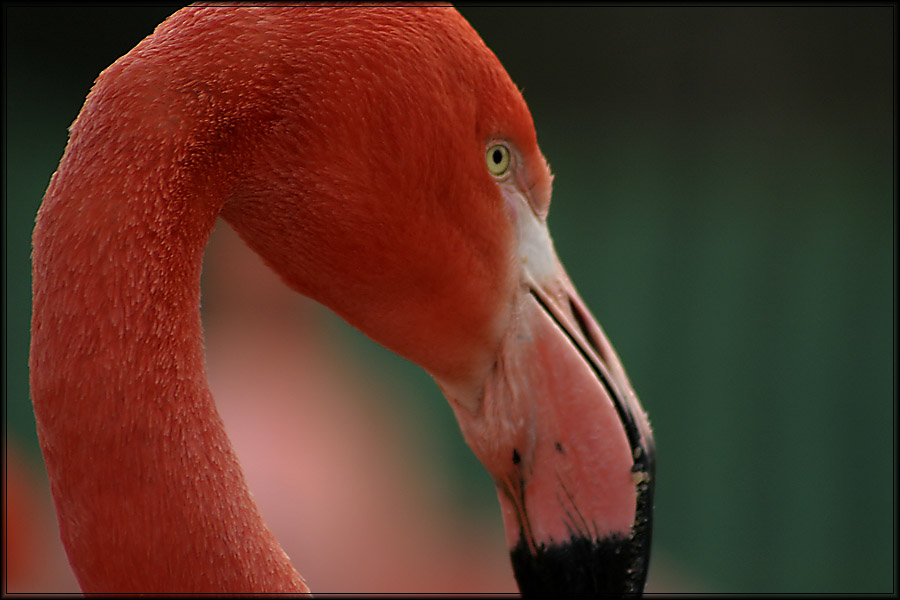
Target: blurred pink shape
x,y
34,560
341,480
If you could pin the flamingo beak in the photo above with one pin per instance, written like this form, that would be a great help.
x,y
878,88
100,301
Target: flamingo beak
x,y
578,507
564,436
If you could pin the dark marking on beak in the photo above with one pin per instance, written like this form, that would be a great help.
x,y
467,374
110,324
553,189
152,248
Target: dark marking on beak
x,y
579,565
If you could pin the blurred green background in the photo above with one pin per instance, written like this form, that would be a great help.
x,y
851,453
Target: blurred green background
x,y
723,200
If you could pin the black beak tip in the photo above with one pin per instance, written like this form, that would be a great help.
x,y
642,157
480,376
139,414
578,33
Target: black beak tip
x,y
610,566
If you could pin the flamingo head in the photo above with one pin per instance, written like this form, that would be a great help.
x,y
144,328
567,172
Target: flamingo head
x,y
383,163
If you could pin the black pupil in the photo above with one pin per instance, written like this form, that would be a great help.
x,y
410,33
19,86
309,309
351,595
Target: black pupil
x,y
497,156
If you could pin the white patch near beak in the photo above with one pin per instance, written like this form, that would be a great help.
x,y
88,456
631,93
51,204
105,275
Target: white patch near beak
x,y
536,253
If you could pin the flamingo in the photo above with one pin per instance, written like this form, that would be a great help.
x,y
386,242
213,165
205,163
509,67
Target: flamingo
x,y
383,163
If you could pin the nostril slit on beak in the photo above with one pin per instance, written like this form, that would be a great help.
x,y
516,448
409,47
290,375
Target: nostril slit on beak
x,y
583,326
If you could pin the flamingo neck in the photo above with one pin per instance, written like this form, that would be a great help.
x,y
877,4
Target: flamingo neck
x,y
149,493
330,141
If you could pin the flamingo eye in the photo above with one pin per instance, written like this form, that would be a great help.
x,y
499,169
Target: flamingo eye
x,y
498,160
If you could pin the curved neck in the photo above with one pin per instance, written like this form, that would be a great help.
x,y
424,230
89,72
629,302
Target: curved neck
x,y
330,140
149,493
